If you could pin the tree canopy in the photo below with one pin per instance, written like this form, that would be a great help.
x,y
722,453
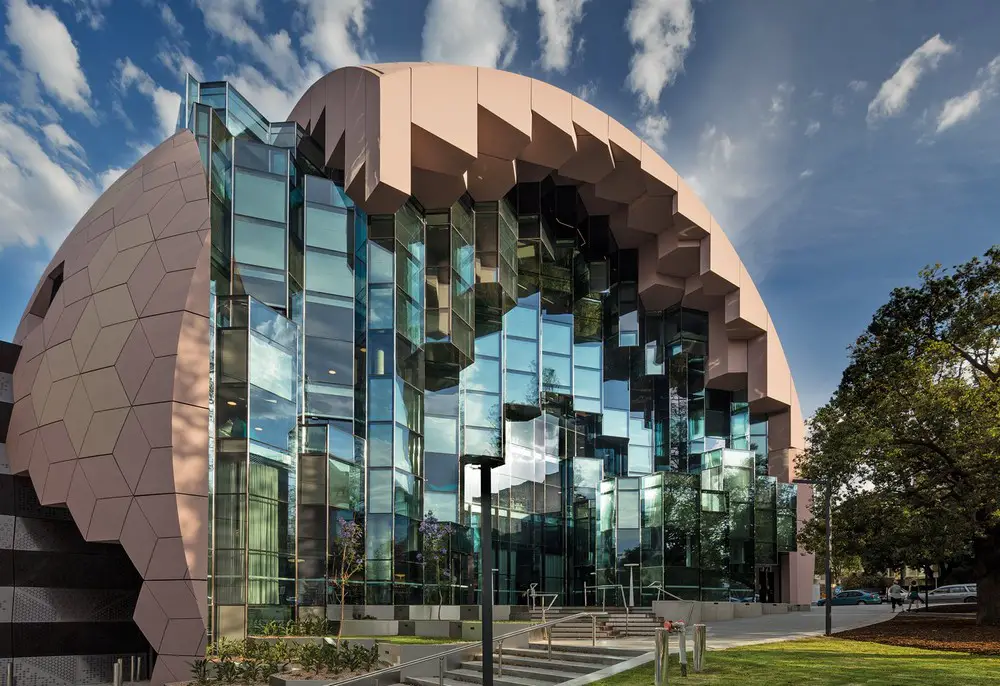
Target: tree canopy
x,y
911,438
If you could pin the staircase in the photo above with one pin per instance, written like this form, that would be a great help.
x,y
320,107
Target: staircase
x,y
640,622
533,666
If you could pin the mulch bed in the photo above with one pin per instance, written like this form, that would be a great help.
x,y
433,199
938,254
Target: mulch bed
x,y
960,634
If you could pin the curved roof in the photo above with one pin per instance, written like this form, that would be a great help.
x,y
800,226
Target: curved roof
x,y
435,131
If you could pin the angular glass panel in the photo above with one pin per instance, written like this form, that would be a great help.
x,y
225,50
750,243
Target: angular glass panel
x,y
380,491
326,228
259,243
271,367
260,196
329,273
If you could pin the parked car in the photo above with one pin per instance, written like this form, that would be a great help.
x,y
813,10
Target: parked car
x,y
955,593
854,598
882,593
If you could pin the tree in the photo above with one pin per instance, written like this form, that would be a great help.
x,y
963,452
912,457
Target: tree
x,y
436,540
911,437
348,560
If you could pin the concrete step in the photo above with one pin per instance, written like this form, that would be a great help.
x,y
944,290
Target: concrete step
x,y
474,677
606,651
542,661
549,674
559,654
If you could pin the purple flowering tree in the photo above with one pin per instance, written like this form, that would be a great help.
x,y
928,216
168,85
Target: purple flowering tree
x,y
436,539
348,560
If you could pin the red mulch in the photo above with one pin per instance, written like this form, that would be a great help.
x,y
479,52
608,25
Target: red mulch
x,y
959,634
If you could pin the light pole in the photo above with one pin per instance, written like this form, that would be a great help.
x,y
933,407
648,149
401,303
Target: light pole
x,y
631,582
497,586
828,605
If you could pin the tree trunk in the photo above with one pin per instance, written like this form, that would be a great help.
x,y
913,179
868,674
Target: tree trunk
x,y
343,596
987,568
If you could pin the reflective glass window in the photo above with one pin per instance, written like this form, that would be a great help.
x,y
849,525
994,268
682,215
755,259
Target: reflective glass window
x,y
260,195
521,388
259,243
615,423
380,307
380,399
267,285
272,419
557,337
329,361
380,264
326,228
380,491
329,316
329,273
522,355
587,382
329,400
557,373
271,368
522,321
441,434
484,375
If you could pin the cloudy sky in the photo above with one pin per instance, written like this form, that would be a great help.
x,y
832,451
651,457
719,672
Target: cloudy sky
x,y
842,145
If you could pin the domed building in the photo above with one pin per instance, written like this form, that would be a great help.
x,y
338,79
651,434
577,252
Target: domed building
x,y
263,330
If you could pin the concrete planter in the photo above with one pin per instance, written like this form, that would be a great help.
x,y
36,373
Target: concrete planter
x,y
368,627
741,610
775,608
717,612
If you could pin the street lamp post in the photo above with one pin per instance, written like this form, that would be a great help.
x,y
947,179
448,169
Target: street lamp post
x,y
828,605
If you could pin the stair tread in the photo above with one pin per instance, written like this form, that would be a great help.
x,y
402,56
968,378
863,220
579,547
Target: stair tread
x,y
515,669
544,659
542,653
477,676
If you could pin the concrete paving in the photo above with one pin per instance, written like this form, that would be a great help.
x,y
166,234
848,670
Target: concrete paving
x,y
765,629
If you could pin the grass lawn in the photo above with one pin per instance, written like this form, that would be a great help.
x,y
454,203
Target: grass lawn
x,y
825,661
405,640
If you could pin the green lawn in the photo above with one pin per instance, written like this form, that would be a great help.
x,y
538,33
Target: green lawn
x,y
822,661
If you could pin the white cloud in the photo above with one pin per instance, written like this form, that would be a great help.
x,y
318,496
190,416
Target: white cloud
x,y
812,128
557,21
166,103
806,174
90,12
40,199
234,19
180,63
779,103
662,32
334,31
587,91
962,107
893,95
47,50
857,86
474,32
838,105
170,20
653,128
63,143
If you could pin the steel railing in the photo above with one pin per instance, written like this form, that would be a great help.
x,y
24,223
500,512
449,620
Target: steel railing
x,y
395,670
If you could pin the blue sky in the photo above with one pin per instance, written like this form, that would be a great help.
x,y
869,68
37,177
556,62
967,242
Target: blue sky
x,y
842,146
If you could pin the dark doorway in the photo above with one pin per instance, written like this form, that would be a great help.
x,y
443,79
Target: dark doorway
x,y
765,584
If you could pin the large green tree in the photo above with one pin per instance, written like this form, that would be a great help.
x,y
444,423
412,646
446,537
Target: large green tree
x,y
911,438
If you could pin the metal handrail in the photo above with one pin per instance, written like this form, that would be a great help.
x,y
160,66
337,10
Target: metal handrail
x,y
395,669
660,591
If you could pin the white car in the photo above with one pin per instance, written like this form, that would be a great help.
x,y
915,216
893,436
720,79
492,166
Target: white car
x,y
956,593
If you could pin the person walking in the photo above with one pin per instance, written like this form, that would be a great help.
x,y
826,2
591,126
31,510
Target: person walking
x,y
914,597
896,596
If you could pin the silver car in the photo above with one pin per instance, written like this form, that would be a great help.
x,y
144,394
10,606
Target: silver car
x,y
956,593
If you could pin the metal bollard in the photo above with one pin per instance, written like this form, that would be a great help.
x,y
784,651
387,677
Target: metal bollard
x,y
682,651
440,671
500,658
10,673
699,647
131,669
138,666
662,658
116,673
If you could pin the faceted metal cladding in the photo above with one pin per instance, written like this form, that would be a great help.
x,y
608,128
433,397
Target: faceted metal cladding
x,y
111,388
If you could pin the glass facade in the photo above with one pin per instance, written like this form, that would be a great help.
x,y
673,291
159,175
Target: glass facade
x,y
360,362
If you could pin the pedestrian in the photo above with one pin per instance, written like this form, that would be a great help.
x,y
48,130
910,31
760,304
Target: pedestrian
x,y
896,596
914,597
